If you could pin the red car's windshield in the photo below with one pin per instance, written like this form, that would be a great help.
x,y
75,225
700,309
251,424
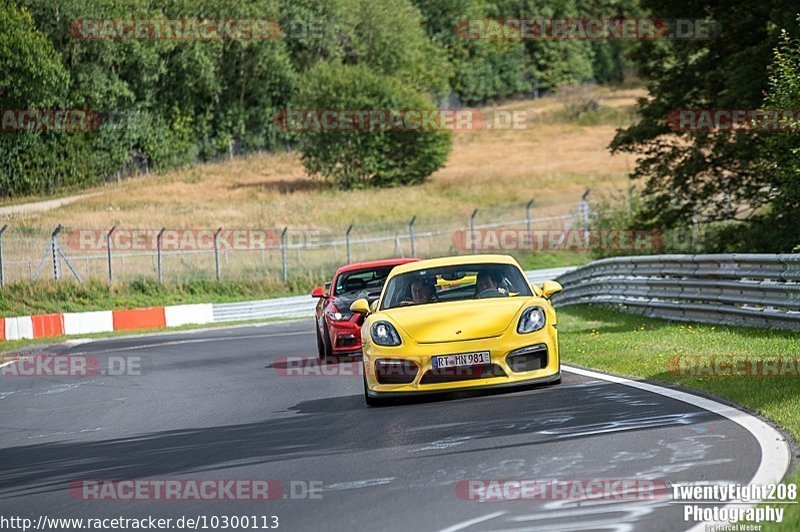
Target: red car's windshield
x,y
371,279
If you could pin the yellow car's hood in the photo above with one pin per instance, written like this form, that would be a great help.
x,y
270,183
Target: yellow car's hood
x,y
457,320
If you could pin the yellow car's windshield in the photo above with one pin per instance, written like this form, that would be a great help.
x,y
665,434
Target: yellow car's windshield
x,y
454,283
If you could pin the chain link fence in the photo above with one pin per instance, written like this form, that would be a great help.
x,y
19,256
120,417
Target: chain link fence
x,y
120,254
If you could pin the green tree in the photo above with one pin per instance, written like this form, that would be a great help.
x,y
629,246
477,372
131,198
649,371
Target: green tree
x,y
33,78
781,153
704,175
32,72
610,59
361,158
551,62
483,69
385,35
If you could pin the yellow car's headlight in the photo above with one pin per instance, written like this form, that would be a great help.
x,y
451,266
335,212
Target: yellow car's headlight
x,y
383,333
532,320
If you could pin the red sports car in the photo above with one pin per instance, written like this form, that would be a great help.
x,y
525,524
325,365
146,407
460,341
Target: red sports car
x,y
339,330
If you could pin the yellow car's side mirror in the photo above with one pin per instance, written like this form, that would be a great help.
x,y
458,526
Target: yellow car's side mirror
x,y
360,306
549,288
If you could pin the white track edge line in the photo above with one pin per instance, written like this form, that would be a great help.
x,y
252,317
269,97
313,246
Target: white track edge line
x,y
776,455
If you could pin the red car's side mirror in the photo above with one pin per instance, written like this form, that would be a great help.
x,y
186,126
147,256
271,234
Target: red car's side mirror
x,y
318,292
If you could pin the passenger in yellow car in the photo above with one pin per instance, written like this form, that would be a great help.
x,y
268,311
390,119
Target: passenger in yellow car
x,y
489,280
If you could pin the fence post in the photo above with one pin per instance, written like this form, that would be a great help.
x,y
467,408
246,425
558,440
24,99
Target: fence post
x,y
108,250
284,261
216,252
472,230
158,251
347,242
54,251
412,237
2,264
585,212
631,190
529,221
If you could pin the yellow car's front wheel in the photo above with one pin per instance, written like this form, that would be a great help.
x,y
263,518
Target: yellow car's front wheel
x,y
371,401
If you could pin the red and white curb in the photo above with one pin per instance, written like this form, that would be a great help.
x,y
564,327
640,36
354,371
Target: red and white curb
x,y
72,323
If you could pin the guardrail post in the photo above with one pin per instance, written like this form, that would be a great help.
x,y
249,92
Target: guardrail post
x,y
472,230
347,243
410,236
158,257
284,261
108,251
216,252
54,252
2,265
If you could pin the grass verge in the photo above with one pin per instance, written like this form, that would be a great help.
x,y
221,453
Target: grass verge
x,y
22,299
606,340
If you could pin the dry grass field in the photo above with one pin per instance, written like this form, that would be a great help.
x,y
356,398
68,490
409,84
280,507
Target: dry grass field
x,y
552,160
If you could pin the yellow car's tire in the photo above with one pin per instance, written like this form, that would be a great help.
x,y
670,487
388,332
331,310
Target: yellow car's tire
x,y
371,401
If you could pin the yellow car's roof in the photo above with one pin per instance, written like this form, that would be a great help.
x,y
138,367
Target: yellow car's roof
x,y
453,261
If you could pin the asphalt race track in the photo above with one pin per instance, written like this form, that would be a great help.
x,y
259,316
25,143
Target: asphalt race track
x,y
219,404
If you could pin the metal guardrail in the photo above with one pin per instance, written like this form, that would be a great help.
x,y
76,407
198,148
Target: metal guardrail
x,y
282,307
549,274
303,306
738,289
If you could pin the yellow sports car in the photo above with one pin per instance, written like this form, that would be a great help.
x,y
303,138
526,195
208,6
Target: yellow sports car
x,y
484,326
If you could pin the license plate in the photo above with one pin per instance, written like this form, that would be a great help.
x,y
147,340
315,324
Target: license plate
x,y
466,359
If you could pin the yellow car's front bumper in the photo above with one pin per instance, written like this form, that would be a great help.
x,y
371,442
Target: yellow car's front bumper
x,y
499,349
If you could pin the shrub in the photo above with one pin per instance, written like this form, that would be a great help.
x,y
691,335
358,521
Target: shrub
x,y
367,157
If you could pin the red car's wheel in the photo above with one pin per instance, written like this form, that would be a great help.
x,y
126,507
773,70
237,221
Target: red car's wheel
x,y
320,346
324,344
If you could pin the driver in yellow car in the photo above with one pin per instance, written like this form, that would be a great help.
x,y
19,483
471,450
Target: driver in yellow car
x,y
489,280
422,291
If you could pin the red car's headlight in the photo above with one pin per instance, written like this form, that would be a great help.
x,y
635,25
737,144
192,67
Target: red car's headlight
x,y
339,316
